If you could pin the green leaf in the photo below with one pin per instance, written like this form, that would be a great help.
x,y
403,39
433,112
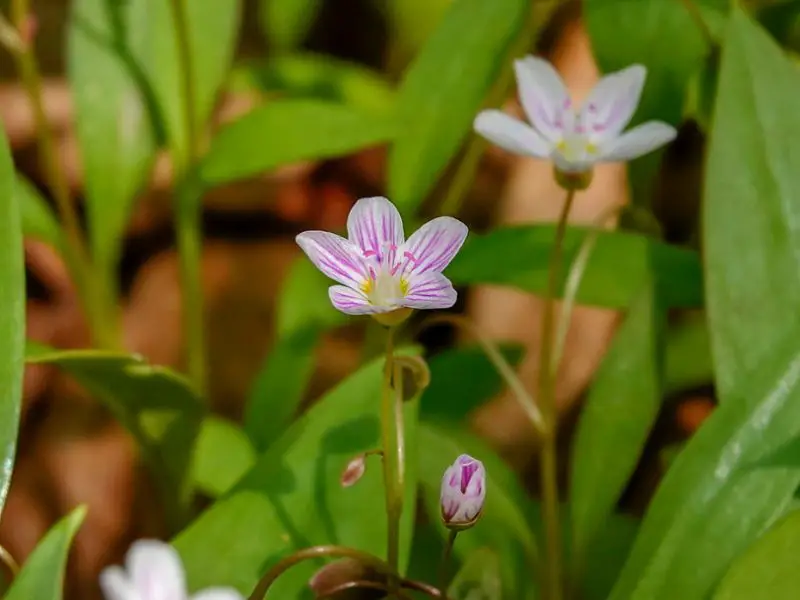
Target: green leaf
x,y
212,29
292,497
711,505
479,577
38,220
687,355
619,266
606,556
503,526
318,77
286,23
752,201
616,420
42,575
287,131
443,90
223,455
304,300
156,405
769,568
782,20
450,395
12,317
115,125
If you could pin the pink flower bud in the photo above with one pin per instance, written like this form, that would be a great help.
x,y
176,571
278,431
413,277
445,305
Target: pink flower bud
x,y
463,492
354,471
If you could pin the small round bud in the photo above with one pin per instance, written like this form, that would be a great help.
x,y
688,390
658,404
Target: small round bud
x,y
463,492
573,181
354,471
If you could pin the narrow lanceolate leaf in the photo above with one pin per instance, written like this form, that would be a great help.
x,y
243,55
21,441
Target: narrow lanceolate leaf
x,y
115,125
752,203
292,498
713,504
38,220
616,420
769,568
620,265
223,455
157,406
287,131
42,575
212,32
444,88
12,317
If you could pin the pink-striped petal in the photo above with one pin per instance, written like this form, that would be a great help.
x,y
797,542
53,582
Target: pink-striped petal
x,y
429,291
352,302
375,226
638,141
116,585
543,96
335,256
156,570
612,103
511,134
432,246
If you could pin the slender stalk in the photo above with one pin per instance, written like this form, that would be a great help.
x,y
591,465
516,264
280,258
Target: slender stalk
x,y
11,566
188,208
392,470
96,304
553,584
448,551
697,17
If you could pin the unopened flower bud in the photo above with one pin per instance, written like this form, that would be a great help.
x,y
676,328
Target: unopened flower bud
x,y
463,492
354,470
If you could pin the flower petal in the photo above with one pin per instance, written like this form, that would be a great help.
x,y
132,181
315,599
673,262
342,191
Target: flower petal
x,y
156,570
115,585
639,141
429,291
612,103
432,246
350,301
374,225
218,594
543,95
511,134
335,256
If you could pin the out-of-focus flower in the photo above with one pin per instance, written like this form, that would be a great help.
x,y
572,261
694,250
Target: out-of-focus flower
x,y
463,492
381,273
153,571
574,137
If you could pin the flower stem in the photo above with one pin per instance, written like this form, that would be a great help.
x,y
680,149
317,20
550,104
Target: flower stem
x,y
393,467
188,208
448,551
547,397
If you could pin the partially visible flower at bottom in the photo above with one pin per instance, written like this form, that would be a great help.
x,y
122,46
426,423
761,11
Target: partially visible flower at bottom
x,y
381,273
463,492
154,571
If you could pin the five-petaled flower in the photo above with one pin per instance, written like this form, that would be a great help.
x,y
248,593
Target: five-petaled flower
x,y
574,137
153,571
463,492
382,274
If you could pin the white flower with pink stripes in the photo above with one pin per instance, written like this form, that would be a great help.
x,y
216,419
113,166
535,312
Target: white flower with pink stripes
x,y
575,137
380,272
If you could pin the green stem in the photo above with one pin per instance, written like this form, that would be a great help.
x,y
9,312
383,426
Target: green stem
x,y
697,17
391,432
188,209
547,397
448,551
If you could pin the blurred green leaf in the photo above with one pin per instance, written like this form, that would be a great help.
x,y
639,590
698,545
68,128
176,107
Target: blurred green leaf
x,y
751,202
319,77
42,575
115,126
12,317
479,577
304,300
619,265
687,355
443,90
293,499
286,131
606,555
156,405
450,395
616,420
769,568
503,526
223,455
286,23
38,219
711,506
782,20
212,29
